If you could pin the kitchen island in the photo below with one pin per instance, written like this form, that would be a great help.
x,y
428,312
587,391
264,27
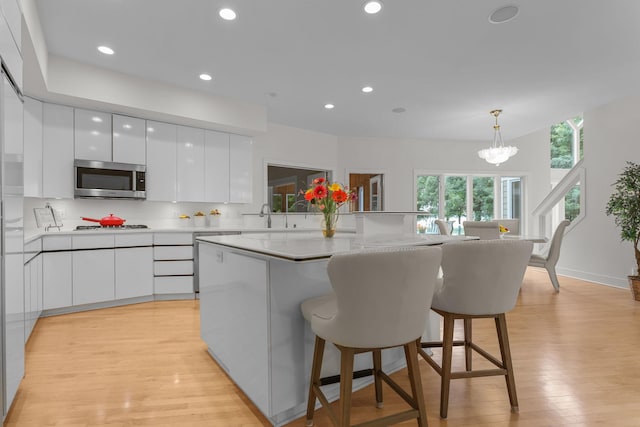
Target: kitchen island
x,y
251,287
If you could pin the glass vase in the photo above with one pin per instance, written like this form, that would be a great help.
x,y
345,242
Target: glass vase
x,y
329,220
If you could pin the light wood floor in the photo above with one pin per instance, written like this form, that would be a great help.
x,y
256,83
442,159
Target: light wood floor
x,y
576,357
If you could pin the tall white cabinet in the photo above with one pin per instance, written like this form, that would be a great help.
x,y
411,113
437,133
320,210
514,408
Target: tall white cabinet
x,y
57,151
190,166
32,148
129,145
161,162
92,135
11,241
240,167
216,166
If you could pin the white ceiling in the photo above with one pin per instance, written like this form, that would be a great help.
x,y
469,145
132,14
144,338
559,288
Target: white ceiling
x,y
441,60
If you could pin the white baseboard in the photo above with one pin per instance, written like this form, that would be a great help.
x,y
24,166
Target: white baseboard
x,y
616,282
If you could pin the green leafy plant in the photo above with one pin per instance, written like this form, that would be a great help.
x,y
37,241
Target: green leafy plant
x,y
624,205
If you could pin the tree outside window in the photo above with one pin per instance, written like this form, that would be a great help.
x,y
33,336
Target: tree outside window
x,y
566,143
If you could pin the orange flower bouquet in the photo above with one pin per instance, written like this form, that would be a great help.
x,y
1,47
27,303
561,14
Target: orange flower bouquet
x,y
327,198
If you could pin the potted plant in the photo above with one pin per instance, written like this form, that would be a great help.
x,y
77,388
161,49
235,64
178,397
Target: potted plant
x,y
624,205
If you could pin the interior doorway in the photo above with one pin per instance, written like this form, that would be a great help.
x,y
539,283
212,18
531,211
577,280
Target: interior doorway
x,y
369,188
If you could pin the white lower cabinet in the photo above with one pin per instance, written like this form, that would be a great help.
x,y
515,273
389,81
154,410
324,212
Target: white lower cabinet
x,y
173,263
57,273
32,294
134,272
93,276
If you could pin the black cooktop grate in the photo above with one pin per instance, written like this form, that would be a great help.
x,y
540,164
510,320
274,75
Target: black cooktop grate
x,y
111,227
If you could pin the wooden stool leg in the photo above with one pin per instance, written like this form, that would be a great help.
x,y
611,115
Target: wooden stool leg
x,y
505,351
413,369
447,350
346,380
316,367
377,367
467,344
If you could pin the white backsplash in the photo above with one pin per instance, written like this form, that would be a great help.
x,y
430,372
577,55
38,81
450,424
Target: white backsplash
x,y
153,214
166,214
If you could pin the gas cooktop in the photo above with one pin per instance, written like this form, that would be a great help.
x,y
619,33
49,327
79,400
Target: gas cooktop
x,y
110,227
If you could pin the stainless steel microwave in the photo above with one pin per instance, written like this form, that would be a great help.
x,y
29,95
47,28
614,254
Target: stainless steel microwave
x,y
109,180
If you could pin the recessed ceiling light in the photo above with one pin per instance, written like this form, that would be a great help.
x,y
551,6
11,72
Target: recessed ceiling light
x,y
227,14
399,110
95,133
367,89
126,126
373,6
150,129
205,77
106,50
503,14
329,106
96,119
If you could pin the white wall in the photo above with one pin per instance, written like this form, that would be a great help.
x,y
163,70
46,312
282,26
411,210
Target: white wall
x,y
289,146
399,159
593,250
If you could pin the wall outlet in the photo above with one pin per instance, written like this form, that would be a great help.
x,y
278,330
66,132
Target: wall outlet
x,y
61,213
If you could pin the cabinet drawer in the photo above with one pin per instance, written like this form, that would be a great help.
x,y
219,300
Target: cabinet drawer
x,y
93,241
173,239
173,285
132,240
56,243
172,268
173,252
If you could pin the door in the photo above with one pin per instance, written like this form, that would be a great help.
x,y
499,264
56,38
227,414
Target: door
x,y
375,190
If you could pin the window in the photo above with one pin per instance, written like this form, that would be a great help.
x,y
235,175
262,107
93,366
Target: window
x,y
566,143
456,198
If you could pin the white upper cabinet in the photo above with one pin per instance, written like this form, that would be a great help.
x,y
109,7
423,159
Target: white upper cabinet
x,y
13,16
240,169
190,164
32,148
92,135
216,166
10,39
57,151
161,162
129,140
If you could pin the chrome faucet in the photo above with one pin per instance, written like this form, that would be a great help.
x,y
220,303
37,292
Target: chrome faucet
x,y
286,221
261,214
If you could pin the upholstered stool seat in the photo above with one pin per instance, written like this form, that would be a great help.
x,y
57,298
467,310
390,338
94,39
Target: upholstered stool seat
x,y
378,303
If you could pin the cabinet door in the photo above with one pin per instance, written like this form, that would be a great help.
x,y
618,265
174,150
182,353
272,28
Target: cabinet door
x,y
93,276
57,151
36,287
32,148
240,167
216,166
234,286
27,301
57,280
14,324
190,164
161,162
129,140
134,272
92,135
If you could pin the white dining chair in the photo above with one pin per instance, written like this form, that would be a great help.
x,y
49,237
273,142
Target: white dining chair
x,y
549,258
378,303
481,279
485,230
443,226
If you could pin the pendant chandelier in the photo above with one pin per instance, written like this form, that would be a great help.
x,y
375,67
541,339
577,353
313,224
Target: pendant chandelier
x,y
497,153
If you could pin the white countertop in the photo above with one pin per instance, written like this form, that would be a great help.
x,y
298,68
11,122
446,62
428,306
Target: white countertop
x,y
38,233
309,245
